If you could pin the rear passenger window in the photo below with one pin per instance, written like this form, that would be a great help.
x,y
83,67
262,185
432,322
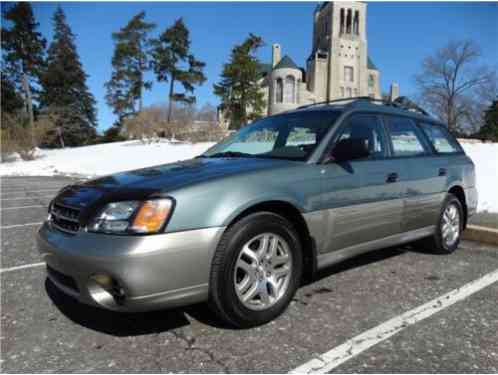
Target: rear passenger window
x,y
440,139
368,128
406,139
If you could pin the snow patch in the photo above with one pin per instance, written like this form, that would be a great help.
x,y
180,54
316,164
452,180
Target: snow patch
x,y
103,159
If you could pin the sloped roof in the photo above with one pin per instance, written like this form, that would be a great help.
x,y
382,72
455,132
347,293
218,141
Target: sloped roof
x,y
370,64
286,62
264,69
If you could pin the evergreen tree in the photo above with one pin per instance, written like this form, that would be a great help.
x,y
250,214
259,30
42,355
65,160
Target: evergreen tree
x,y
241,98
11,101
23,51
129,63
489,130
173,61
65,92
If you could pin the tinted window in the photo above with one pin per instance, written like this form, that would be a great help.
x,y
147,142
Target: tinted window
x,y
406,139
440,139
366,127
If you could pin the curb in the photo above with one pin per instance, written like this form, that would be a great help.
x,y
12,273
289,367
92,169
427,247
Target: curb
x,y
481,234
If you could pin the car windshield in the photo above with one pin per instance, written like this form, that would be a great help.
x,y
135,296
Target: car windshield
x,y
292,136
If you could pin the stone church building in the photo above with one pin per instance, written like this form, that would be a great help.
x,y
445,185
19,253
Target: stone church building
x,y
337,67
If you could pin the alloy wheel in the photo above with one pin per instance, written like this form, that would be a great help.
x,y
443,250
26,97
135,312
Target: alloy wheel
x,y
450,228
263,271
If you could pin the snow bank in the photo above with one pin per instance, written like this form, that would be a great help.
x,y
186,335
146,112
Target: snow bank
x,y
102,159
109,158
485,158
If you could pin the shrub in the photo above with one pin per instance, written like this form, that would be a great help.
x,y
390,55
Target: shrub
x,y
17,137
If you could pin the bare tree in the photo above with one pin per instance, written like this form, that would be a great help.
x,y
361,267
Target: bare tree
x,y
453,85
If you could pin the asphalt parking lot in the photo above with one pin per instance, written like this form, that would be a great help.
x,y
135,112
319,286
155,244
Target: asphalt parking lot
x,y
45,331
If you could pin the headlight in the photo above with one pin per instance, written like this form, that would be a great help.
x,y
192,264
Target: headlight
x,y
132,217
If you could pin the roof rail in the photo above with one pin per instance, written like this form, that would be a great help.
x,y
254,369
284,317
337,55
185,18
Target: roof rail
x,y
402,103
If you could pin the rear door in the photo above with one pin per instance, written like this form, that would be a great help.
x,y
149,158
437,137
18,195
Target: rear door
x,y
426,173
362,198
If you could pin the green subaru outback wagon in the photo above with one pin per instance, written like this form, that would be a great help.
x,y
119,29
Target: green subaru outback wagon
x,y
241,225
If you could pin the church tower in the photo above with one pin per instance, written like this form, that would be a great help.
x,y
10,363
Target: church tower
x,y
339,66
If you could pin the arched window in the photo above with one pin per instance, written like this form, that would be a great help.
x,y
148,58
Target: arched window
x,y
279,90
290,90
343,21
356,24
371,80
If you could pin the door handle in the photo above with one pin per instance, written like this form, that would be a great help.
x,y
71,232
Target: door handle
x,y
392,177
442,172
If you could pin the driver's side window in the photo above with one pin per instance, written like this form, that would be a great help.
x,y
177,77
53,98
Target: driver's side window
x,y
367,128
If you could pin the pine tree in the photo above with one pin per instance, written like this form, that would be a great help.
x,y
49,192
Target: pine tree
x,y
489,130
241,98
23,51
173,62
129,63
12,102
64,86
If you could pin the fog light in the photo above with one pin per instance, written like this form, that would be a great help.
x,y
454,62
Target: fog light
x,y
105,281
105,290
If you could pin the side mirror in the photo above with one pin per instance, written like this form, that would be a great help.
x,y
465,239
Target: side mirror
x,y
350,149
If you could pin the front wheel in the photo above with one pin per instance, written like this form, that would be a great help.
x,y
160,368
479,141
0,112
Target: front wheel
x,y
446,238
256,270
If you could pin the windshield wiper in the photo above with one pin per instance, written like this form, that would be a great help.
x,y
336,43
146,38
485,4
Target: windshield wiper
x,y
230,154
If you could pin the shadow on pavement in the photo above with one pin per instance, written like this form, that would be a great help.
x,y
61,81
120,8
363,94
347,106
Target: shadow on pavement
x,y
133,324
359,261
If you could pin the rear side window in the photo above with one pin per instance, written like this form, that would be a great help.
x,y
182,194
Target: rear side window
x,y
442,141
368,128
406,138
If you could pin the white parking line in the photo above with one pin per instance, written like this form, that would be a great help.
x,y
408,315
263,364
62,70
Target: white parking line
x,y
19,225
10,269
20,207
29,191
26,198
358,344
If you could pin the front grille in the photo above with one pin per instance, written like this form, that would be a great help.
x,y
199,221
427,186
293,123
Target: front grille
x,y
62,279
65,218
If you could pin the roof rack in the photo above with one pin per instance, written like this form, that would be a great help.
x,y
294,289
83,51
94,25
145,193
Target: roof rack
x,y
402,103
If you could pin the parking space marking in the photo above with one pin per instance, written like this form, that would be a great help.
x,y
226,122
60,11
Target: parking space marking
x,y
358,344
21,207
28,191
10,269
26,198
20,225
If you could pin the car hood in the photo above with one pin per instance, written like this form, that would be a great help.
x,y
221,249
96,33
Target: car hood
x,y
172,176
138,183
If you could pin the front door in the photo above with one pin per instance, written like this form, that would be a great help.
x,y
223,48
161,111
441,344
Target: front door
x,y
362,198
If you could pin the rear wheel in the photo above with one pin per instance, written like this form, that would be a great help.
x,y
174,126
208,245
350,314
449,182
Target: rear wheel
x,y
256,270
446,238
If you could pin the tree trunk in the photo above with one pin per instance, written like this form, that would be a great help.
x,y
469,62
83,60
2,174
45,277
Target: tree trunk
x,y
140,93
59,133
170,104
451,119
29,100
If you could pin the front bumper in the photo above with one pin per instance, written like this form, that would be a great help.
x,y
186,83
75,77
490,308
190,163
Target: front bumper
x,y
153,272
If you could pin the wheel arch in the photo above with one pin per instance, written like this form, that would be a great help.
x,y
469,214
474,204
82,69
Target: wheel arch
x,y
458,191
290,212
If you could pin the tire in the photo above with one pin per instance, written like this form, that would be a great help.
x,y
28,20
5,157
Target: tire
x,y
438,243
232,270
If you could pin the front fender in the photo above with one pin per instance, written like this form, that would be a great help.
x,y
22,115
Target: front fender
x,y
259,200
217,203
